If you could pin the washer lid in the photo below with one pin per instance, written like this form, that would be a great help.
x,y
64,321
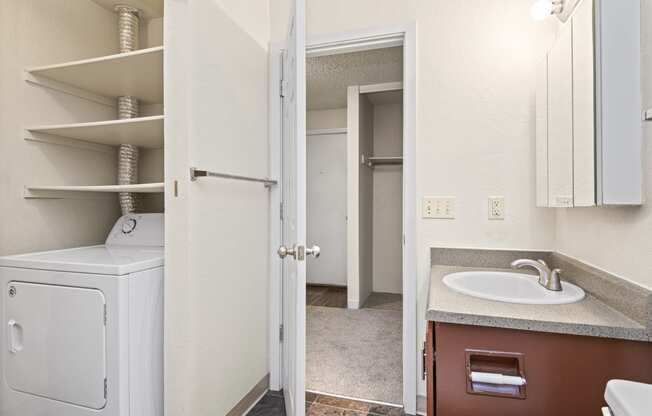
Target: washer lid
x,y
627,398
102,259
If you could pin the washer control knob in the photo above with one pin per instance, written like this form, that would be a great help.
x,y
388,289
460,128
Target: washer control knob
x,y
129,225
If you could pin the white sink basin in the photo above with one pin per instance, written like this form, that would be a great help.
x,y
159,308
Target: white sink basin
x,y
511,288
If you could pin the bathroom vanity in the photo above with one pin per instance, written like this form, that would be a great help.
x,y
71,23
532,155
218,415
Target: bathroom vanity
x,y
556,359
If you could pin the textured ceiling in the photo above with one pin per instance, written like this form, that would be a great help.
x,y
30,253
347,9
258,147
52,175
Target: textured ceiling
x,y
329,76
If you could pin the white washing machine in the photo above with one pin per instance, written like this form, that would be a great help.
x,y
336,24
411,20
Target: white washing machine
x,y
82,329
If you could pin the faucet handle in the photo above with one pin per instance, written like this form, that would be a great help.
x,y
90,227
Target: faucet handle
x,y
554,283
543,262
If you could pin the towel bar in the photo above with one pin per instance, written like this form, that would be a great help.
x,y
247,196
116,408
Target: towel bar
x,y
199,173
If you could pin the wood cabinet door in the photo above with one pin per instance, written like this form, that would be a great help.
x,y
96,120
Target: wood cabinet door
x,y
566,374
429,364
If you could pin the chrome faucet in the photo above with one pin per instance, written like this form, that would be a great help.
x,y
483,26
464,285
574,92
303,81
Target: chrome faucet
x,y
549,279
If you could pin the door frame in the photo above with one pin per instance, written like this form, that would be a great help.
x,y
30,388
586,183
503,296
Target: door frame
x,y
331,44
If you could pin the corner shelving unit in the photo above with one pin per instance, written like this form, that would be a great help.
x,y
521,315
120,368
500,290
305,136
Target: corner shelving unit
x,y
103,79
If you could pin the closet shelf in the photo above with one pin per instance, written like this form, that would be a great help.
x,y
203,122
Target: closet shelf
x,y
65,191
138,73
150,9
145,132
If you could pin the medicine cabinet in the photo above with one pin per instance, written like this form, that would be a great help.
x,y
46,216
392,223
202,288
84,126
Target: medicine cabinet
x,y
588,109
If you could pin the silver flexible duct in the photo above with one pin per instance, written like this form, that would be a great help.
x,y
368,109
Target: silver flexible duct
x,y
128,29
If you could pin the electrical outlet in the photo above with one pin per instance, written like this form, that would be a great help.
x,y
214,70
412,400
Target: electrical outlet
x,y
438,207
496,208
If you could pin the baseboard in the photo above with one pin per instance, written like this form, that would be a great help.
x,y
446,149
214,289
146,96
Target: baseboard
x,y
326,285
251,398
352,304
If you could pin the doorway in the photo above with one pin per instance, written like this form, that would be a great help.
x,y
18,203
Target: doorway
x,y
335,45
354,147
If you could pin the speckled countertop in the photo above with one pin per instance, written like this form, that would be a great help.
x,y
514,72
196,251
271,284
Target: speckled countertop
x,y
589,317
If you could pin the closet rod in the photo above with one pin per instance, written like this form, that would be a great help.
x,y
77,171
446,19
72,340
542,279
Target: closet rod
x,y
385,160
199,173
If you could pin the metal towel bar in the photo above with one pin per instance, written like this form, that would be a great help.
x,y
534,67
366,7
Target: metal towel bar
x,y
199,173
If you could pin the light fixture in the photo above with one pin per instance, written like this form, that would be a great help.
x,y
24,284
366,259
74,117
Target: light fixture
x,y
541,9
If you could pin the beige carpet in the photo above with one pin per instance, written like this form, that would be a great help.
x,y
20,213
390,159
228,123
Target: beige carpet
x,y
355,353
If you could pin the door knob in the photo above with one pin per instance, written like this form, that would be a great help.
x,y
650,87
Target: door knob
x,y
313,251
283,252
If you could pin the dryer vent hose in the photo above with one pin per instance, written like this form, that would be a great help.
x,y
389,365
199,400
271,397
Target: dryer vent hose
x,y
128,28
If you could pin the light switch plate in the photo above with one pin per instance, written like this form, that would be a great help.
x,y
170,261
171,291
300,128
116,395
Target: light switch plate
x,y
496,207
438,207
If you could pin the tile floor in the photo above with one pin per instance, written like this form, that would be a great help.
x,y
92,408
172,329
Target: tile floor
x,y
322,405
272,404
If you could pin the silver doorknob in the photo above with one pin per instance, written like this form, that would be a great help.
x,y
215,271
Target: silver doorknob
x,y
283,252
313,251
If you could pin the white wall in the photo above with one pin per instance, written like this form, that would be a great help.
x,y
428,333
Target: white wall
x,y
217,259
388,200
42,32
326,119
475,119
326,204
618,240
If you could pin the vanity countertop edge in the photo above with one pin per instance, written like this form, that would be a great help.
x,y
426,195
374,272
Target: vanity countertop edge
x,y
589,317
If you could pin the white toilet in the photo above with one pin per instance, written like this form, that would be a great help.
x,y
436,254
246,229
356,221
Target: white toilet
x,y
628,398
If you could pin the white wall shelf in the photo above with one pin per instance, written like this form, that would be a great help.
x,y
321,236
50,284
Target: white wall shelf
x,y
138,73
146,132
149,9
61,192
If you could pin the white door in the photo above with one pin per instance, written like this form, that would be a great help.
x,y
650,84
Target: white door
x,y
326,207
294,214
560,121
56,345
583,105
542,134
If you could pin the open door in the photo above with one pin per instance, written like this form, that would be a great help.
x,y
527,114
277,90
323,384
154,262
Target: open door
x,y
293,248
